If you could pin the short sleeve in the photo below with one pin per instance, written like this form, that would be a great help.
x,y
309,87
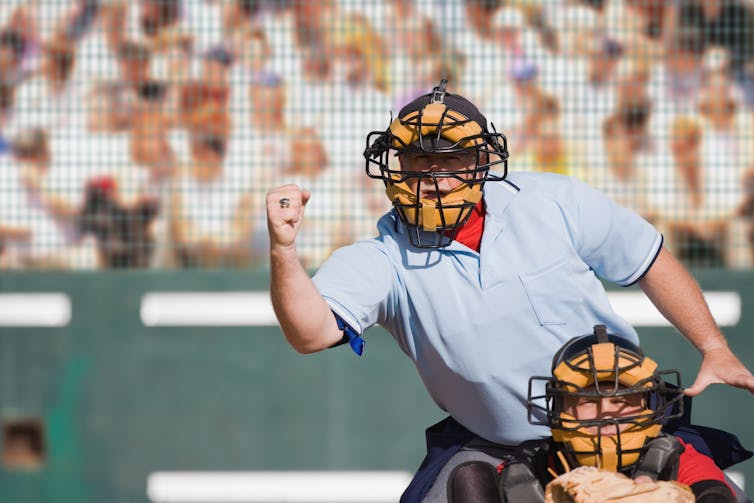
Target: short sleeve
x,y
617,243
356,282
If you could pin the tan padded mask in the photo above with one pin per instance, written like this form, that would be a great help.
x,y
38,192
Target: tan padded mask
x,y
430,214
453,127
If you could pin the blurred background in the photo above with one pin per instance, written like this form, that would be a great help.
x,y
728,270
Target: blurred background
x,y
139,357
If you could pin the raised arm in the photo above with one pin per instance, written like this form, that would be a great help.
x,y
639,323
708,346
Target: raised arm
x,y
304,316
675,293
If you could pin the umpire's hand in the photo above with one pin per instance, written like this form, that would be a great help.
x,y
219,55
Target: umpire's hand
x,y
285,212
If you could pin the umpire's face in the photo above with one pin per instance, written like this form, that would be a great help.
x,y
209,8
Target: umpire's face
x,y
450,170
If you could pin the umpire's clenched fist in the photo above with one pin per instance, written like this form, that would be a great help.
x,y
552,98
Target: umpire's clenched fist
x,y
285,211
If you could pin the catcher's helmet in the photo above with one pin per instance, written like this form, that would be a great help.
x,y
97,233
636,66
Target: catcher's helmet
x,y
596,366
436,123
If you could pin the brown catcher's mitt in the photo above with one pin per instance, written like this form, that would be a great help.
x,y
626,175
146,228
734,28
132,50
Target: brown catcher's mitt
x,y
588,484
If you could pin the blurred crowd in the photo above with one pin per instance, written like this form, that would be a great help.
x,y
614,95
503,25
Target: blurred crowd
x,y
146,133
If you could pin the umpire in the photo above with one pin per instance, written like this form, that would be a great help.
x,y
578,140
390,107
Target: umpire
x,y
479,283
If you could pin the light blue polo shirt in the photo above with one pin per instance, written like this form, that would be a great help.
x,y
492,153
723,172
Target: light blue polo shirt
x,y
478,325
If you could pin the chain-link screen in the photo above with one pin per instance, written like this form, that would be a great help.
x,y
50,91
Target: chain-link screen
x,y
146,133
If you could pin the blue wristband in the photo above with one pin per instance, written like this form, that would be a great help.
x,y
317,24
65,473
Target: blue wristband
x,y
354,339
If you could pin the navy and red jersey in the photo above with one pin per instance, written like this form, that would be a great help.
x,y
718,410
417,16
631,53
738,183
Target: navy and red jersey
x,y
693,467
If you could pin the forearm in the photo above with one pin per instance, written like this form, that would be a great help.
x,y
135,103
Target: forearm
x,y
676,294
304,316
712,491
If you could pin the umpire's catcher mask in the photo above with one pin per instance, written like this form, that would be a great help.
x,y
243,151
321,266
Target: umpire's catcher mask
x,y
598,366
436,123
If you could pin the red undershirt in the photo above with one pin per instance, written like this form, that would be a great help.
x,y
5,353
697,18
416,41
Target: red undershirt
x,y
470,234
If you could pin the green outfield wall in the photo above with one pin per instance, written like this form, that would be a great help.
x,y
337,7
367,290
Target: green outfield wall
x,y
116,400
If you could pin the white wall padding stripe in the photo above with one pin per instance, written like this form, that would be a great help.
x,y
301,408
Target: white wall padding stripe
x,y
283,486
227,309
638,310
34,309
254,308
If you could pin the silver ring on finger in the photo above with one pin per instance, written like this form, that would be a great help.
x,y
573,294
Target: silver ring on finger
x,y
284,202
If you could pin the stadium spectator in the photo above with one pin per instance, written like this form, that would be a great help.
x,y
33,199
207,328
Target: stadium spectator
x,y
506,29
359,93
203,21
551,151
746,210
571,23
240,17
253,51
155,150
617,169
724,23
50,98
638,25
311,20
522,101
724,115
414,48
11,52
727,152
634,106
114,24
212,88
675,83
216,66
210,214
357,54
113,101
39,217
12,48
695,200
150,145
592,93
124,234
517,41
310,166
406,30
158,16
479,48
133,60
264,140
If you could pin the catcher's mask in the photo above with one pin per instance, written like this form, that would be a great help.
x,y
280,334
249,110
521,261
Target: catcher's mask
x,y
598,367
436,123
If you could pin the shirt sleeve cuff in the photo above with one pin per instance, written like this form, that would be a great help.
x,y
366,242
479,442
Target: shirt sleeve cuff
x,y
647,264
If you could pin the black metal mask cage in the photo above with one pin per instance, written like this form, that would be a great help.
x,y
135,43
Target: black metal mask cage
x,y
490,151
662,392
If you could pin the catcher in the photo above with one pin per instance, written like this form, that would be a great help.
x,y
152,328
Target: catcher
x,y
605,404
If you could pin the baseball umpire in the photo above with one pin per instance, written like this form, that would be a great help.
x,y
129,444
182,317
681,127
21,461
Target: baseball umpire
x,y
480,275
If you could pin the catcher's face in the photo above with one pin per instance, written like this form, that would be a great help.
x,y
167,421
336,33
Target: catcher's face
x,y
590,408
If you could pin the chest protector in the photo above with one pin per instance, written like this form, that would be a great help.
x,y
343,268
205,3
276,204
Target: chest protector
x,y
525,474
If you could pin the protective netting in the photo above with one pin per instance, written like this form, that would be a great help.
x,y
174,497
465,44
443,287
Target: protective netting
x,y
146,133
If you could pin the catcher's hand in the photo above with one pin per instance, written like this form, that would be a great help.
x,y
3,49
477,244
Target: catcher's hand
x,y
587,484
